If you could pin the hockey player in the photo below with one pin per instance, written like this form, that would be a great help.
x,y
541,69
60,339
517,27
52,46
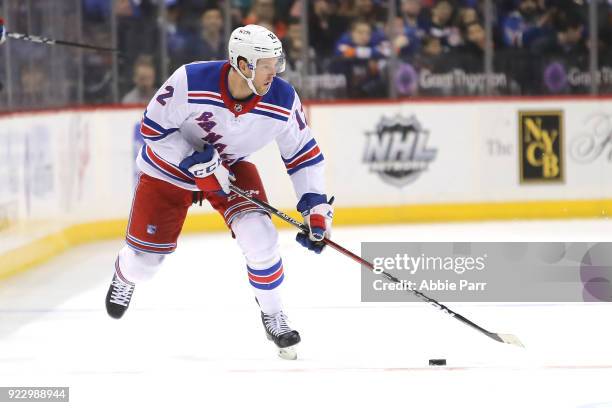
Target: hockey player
x,y
199,130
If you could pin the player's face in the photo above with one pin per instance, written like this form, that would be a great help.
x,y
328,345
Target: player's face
x,y
265,71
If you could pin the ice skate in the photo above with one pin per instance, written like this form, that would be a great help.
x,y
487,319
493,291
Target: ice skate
x,y
278,331
118,297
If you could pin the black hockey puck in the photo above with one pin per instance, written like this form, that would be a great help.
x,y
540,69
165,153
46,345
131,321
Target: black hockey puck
x,y
437,362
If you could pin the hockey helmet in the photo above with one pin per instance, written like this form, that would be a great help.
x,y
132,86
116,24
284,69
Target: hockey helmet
x,y
253,42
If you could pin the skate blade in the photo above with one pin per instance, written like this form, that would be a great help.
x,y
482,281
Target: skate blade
x,y
287,353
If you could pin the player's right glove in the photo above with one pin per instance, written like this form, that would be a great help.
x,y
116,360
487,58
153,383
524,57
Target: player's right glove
x,y
208,169
318,214
2,31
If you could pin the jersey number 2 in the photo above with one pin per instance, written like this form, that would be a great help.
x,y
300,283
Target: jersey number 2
x,y
162,98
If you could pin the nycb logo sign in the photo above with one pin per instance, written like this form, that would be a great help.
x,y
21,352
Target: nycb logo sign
x,y
541,146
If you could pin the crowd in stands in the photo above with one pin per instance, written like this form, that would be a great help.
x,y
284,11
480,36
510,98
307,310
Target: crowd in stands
x,y
354,39
536,43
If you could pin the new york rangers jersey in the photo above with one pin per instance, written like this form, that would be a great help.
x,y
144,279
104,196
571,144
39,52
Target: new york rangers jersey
x,y
194,107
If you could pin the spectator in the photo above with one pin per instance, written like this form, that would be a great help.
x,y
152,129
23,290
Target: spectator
x,y
210,44
440,24
293,47
360,42
263,13
137,33
430,57
525,24
409,41
605,37
475,40
97,66
177,38
144,81
293,44
410,10
359,54
191,13
432,47
405,41
369,11
345,9
325,26
467,16
568,38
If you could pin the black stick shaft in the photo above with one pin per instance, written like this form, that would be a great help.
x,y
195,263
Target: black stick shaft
x,y
51,41
363,262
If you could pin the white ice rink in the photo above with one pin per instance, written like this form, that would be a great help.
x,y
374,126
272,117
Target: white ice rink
x,y
193,338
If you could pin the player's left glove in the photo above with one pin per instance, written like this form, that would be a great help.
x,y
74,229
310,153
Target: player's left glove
x,y
208,170
318,214
2,31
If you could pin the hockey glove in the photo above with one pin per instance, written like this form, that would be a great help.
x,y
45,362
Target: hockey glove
x,y
2,31
318,214
210,173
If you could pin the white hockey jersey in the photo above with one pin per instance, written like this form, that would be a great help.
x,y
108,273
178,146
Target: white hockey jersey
x,y
194,107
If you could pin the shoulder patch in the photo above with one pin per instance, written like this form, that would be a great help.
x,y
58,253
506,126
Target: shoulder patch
x,y
204,76
281,94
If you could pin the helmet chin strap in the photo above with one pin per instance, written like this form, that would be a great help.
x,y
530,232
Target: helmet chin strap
x,y
250,83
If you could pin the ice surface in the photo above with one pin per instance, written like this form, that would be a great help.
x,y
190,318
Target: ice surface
x,y
193,337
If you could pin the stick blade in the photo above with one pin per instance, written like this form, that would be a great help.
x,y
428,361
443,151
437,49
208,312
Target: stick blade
x,y
507,338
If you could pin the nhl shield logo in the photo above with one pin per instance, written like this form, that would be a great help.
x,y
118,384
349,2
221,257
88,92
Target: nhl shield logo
x,y
238,107
397,150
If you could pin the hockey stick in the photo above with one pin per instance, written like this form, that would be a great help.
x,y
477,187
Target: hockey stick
x,y
50,41
503,338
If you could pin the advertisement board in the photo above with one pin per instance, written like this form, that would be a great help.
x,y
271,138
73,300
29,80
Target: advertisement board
x,y
70,174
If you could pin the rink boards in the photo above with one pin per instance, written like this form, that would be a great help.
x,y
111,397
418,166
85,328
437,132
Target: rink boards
x,y
66,177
